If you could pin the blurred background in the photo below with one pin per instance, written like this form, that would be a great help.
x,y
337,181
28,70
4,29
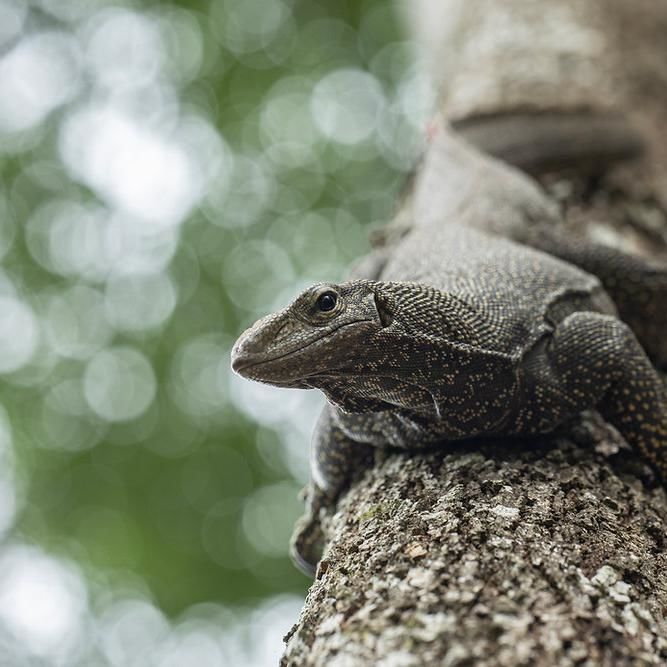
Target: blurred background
x,y
169,172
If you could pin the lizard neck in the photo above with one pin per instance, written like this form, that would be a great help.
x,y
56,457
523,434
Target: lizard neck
x,y
423,311
417,362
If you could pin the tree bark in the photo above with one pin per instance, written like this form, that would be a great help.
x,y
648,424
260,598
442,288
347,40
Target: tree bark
x,y
543,551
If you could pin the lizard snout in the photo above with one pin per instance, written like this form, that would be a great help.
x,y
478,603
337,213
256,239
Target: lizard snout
x,y
249,349
258,343
242,356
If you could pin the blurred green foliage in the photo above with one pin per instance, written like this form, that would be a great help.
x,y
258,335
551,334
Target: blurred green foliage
x,y
169,172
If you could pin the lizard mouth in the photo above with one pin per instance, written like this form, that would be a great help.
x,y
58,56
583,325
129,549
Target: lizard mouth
x,y
244,361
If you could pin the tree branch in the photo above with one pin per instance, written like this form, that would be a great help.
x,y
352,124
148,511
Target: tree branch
x,y
540,551
492,554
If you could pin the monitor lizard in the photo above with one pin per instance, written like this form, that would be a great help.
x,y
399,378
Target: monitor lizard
x,y
475,319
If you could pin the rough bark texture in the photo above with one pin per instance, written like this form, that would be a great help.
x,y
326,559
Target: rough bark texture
x,y
489,57
550,551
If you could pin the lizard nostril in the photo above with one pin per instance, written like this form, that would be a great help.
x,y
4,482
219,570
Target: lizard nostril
x,y
237,355
247,344
244,350
255,342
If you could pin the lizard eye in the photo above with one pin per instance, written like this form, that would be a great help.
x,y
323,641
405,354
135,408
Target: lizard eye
x,y
327,301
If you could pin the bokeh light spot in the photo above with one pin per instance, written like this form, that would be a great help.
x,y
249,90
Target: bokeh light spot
x,y
182,38
42,601
75,323
139,302
345,105
286,117
198,376
124,48
19,334
131,247
144,171
253,259
269,515
187,646
12,18
131,632
67,433
239,201
119,384
38,75
9,496
247,25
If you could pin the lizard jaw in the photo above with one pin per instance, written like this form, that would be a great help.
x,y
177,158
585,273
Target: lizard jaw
x,y
245,361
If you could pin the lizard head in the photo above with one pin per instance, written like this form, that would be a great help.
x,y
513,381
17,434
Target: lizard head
x,y
318,333
368,346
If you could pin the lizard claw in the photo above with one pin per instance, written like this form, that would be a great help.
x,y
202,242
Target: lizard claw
x,y
307,544
308,540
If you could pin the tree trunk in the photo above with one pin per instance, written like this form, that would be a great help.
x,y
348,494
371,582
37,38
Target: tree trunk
x,y
543,551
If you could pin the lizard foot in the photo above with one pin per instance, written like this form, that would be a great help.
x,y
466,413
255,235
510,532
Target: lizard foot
x,y
308,540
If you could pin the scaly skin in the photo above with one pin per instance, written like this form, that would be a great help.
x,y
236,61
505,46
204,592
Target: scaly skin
x,y
452,331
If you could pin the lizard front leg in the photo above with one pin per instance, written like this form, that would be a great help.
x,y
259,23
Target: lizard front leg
x,y
335,458
638,286
594,360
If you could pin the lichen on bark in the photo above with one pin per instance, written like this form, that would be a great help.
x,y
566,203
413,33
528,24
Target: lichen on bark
x,y
494,553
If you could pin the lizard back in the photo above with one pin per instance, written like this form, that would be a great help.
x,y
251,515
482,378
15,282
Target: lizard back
x,y
521,293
